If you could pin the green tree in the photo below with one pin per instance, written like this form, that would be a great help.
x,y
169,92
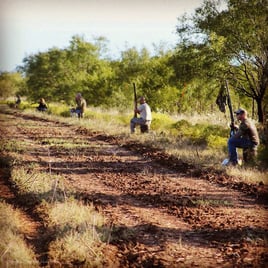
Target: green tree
x,y
152,75
127,70
10,84
158,85
230,43
59,74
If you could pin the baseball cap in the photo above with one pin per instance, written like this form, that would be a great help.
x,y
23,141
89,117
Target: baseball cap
x,y
240,111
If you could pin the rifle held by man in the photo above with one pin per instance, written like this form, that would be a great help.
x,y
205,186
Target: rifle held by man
x,y
135,100
232,125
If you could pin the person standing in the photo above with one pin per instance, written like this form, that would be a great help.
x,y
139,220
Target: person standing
x,y
145,118
245,137
80,105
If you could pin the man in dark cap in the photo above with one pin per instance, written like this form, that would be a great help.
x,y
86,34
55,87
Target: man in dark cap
x,y
245,137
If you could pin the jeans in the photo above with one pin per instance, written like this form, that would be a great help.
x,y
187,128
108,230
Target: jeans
x,y
234,143
136,121
41,109
79,113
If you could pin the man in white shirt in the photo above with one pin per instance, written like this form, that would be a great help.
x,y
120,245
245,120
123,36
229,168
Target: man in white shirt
x,y
145,118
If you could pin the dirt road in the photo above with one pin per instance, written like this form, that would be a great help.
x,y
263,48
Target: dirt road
x,y
166,213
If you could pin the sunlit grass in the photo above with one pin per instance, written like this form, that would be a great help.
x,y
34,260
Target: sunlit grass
x,y
212,202
65,143
37,185
73,214
77,248
78,238
249,175
13,249
12,145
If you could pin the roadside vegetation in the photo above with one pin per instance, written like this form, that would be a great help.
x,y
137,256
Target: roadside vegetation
x,y
200,140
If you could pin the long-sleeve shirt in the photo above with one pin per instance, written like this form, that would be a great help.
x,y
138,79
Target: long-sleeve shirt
x,y
248,130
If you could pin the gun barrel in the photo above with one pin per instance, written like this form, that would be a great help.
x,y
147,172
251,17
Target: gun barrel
x,y
135,99
230,109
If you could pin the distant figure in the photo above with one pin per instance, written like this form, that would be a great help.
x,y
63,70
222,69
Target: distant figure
x,y
145,117
18,101
80,105
42,105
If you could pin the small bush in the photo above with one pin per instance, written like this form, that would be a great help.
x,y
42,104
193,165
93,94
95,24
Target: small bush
x,y
214,141
161,122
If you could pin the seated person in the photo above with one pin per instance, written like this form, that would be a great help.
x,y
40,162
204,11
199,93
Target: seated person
x,y
245,137
18,101
145,116
42,105
80,105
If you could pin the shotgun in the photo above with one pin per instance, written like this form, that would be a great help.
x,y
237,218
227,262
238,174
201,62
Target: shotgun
x,y
229,103
135,100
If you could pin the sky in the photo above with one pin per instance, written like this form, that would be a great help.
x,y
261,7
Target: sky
x,y
31,26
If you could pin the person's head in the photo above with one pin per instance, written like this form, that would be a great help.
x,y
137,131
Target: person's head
x,y
42,100
241,114
78,96
142,100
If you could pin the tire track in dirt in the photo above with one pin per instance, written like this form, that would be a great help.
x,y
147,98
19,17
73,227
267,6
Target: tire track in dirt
x,y
160,217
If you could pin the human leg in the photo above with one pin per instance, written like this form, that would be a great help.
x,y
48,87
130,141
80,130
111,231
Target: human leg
x,y
233,144
135,121
145,127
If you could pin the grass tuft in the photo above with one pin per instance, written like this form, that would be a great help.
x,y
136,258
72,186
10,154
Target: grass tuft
x,y
13,249
77,237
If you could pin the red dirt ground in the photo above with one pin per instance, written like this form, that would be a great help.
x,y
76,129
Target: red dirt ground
x,y
180,216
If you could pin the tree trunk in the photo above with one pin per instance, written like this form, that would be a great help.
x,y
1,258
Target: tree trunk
x,y
260,111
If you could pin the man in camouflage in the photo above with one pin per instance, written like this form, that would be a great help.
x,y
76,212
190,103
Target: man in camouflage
x,y
245,137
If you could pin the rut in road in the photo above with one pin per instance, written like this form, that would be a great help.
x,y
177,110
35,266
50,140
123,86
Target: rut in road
x,y
161,217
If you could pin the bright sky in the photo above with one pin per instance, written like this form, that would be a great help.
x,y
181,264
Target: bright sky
x,y
31,26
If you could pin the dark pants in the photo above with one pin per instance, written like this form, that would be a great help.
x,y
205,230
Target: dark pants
x,y
41,109
79,113
234,143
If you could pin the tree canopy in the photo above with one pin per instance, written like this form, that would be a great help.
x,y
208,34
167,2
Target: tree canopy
x,y
229,43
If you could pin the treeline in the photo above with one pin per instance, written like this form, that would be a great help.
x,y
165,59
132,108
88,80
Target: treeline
x,y
222,40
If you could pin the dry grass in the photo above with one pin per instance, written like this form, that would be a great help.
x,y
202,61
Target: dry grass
x,y
38,185
76,227
249,175
13,249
